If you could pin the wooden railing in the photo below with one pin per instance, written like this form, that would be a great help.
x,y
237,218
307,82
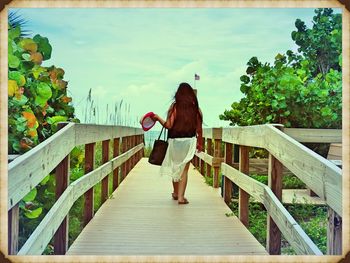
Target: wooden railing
x,y
29,169
320,175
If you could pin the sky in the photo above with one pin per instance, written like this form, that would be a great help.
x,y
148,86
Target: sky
x,y
141,55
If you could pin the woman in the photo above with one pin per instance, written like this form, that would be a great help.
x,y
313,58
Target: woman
x,y
184,124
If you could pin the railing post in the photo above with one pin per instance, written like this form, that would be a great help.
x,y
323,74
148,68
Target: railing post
x,y
13,229
334,233
244,196
210,152
275,174
116,170
128,162
143,140
202,161
132,146
217,133
62,182
89,195
123,166
104,183
139,154
227,182
275,170
134,157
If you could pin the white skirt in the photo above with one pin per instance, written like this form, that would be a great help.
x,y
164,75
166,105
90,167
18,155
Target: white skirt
x,y
180,151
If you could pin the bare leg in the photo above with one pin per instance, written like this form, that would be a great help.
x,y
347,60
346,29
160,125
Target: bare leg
x,y
176,189
183,184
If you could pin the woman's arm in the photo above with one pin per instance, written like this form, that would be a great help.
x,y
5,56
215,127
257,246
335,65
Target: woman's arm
x,y
168,124
199,131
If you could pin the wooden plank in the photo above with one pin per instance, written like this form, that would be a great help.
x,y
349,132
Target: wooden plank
x,y
290,229
13,230
62,182
334,233
335,152
88,133
217,152
248,184
273,240
315,135
319,174
209,152
104,183
207,133
253,136
29,169
42,235
217,133
89,195
244,196
260,166
227,182
153,233
124,149
115,171
205,157
202,163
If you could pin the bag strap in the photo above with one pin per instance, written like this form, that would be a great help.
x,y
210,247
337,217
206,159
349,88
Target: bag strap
x,y
161,133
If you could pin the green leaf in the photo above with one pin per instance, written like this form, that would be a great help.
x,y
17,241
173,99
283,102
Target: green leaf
x,y
13,61
37,70
55,119
245,79
326,111
16,146
34,213
44,93
18,77
45,180
20,101
43,46
14,33
26,56
30,196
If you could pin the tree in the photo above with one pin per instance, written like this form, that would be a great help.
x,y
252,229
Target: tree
x,y
299,89
321,44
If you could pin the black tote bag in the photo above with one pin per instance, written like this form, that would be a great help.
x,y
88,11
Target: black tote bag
x,y
158,152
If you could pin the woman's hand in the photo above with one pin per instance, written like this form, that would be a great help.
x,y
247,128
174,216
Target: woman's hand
x,y
199,147
155,117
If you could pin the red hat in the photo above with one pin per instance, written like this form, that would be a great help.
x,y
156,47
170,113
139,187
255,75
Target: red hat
x,y
147,122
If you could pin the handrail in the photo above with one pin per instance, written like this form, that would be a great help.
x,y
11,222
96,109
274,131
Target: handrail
x,y
29,169
42,235
315,135
290,229
319,174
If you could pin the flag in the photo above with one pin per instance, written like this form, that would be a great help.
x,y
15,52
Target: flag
x,y
196,77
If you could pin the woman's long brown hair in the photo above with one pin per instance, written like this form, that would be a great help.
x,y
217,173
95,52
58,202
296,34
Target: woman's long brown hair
x,y
187,109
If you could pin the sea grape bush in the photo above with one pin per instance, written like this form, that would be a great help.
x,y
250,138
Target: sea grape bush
x,y
301,90
37,95
37,101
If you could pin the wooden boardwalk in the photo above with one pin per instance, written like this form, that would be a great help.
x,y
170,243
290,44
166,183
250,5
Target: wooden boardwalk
x,y
142,219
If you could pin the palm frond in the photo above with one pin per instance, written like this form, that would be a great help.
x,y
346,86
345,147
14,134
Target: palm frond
x,y
15,20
